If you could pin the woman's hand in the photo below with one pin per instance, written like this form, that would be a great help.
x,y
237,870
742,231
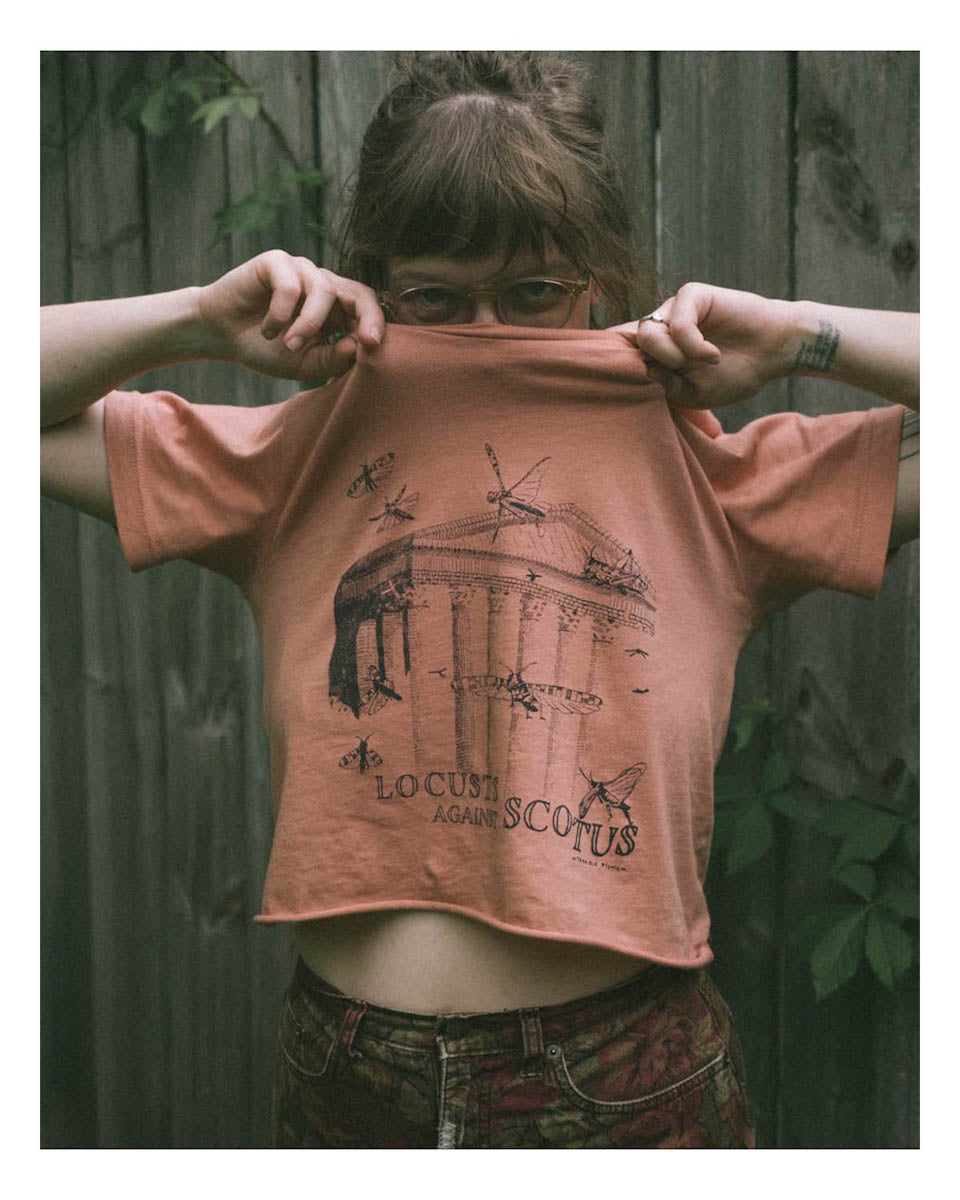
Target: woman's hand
x,y
277,315
717,346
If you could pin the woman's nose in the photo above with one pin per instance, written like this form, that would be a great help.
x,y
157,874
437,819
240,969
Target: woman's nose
x,y
485,312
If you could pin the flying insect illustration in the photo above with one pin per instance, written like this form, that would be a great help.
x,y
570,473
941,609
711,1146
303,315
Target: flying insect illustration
x,y
371,476
517,501
640,691
623,576
361,758
532,697
380,690
636,650
401,508
612,793
441,671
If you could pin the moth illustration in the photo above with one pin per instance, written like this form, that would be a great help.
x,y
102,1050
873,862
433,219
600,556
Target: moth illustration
x,y
361,758
401,508
517,501
532,697
379,691
371,476
612,793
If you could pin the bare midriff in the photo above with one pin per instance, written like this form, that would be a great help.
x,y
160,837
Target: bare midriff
x,y
425,961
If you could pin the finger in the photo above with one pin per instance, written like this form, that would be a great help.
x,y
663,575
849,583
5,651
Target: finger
x,y
317,315
328,361
655,340
690,307
361,303
286,294
334,304
674,386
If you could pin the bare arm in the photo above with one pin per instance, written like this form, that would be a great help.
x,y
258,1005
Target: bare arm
x,y
273,314
716,346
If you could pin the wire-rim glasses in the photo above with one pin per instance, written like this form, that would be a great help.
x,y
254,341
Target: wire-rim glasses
x,y
534,301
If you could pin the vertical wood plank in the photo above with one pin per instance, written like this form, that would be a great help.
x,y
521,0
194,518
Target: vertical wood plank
x,y
107,257
725,180
201,643
68,1081
254,151
350,84
856,245
625,86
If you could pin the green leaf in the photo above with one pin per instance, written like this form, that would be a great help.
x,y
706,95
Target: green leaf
x,y
870,840
748,717
904,902
776,773
188,85
838,953
734,787
251,213
787,804
889,949
750,839
214,111
249,105
809,931
859,878
157,113
845,817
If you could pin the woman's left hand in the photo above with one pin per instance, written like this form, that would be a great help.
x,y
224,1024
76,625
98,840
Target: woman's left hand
x,y
717,346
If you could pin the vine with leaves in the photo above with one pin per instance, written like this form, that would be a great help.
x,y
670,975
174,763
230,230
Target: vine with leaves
x,y
209,93
874,844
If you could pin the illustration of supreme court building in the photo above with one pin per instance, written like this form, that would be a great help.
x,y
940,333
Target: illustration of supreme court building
x,y
490,632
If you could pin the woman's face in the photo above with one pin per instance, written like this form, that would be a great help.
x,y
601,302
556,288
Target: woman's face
x,y
492,271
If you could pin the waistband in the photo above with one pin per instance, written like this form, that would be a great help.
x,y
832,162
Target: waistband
x,y
503,1031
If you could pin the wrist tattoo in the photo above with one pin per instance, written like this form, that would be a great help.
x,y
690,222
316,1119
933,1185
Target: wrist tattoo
x,y
819,355
909,434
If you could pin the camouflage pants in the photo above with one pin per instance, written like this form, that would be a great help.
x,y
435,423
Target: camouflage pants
x,y
650,1063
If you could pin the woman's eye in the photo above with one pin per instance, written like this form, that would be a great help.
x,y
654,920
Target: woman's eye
x,y
435,297
537,293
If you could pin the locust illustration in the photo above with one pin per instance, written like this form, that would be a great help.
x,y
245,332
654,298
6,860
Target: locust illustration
x,y
532,697
371,476
612,793
623,576
519,500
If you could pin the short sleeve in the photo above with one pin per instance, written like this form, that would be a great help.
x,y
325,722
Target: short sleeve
x,y
808,500
193,481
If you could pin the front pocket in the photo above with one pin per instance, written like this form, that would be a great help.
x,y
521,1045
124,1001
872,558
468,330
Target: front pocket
x,y
560,1073
307,1038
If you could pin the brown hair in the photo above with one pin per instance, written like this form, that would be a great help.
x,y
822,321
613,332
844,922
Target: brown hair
x,y
474,152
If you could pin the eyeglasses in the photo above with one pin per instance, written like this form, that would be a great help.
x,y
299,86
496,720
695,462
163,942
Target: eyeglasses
x,y
547,303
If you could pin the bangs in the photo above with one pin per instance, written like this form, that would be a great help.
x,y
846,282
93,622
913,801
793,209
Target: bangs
x,y
479,179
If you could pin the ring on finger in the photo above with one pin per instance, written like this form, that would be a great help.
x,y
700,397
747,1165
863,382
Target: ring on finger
x,y
656,315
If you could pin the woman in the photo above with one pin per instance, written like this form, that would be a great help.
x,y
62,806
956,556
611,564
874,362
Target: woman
x,y
501,584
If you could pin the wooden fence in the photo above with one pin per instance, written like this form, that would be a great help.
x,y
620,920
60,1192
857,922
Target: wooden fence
x,y
788,174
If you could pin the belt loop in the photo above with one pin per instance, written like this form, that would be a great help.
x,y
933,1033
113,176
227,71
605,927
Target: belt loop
x,y
532,1031
348,1030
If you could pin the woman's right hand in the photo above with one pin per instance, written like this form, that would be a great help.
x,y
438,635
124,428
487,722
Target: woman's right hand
x,y
277,314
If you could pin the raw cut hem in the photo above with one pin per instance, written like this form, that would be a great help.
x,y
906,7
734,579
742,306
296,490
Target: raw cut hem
x,y
636,951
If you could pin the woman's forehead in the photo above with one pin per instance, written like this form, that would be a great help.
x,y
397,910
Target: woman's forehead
x,y
473,272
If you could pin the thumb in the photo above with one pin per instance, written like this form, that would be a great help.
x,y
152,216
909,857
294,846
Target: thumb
x,y
331,361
